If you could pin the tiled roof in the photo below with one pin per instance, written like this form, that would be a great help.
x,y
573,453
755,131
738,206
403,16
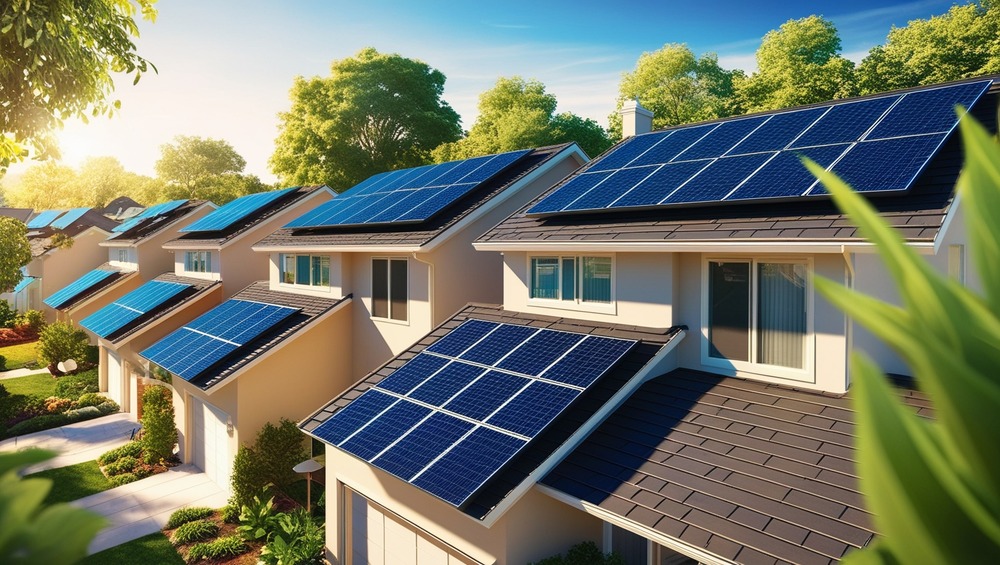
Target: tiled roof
x,y
414,234
40,241
918,213
118,275
153,226
198,288
543,445
751,472
17,213
311,307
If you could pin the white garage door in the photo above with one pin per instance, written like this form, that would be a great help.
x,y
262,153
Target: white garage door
x,y
115,378
379,537
210,442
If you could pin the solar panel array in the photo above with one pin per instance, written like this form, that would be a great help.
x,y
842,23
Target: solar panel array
x,y
408,195
131,307
43,219
67,293
23,284
194,348
151,212
67,219
454,415
236,210
876,144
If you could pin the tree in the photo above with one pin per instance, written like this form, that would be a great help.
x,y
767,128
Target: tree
x,y
15,252
677,87
102,179
799,63
47,185
159,430
374,113
961,43
58,58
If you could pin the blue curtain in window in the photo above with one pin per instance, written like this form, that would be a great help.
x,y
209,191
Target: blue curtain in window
x,y
596,279
545,277
302,269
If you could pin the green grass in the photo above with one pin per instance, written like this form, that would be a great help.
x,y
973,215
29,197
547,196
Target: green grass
x,y
19,355
154,548
41,385
74,482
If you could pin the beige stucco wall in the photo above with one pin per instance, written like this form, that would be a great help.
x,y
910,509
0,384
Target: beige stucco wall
x,y
60,267
150,257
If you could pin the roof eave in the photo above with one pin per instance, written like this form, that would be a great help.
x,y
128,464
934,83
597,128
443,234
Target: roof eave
x,y
695,246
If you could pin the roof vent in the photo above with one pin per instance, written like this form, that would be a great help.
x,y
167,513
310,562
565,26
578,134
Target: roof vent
x,y
635,119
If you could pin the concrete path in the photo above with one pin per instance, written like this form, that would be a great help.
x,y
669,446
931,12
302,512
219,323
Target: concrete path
x,y
143,507
76,443
16,373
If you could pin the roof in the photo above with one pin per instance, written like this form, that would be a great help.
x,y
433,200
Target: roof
x,y
651,340
918,213
310,308
421,233
245,224
199,287
748,471
117,207
117,274
17,213
40,241
152,226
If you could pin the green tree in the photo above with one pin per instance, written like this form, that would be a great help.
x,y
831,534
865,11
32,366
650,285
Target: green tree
x,y
195,167
60,341
677,87
374,113
961,43
102,179
159,430
15,252
47,185
799,63
57,63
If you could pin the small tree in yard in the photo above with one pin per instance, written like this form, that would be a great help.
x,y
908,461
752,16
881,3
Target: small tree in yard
x,y
159,431
61,341
268,461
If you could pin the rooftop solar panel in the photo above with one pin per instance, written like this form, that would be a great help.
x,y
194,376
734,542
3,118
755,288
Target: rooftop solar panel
x,y
67,219
758,157
453,415
43,219
23,284
79,286
236,210
407,195
151,212
131,307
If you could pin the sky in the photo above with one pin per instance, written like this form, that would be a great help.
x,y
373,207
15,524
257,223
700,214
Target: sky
x,y
225,67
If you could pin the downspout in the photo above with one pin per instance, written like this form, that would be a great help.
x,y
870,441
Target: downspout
x,y
848,323
430,285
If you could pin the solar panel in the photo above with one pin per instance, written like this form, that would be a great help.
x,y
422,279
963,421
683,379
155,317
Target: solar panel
x,y
25,282
151,212
131,307
236,210
407,195
758,157
43,219
194,348
67,219
452,416
79,286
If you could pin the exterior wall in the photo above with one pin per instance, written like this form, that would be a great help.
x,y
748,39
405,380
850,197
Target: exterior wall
x,y
536,527
151,259
338,276
59,267
213,274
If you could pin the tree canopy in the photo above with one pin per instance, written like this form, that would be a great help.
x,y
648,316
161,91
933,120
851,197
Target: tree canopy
x,y
57,63
15,252
210,169
375,112
98,181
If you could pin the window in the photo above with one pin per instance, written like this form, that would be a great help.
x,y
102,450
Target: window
x,y
123,255
571,279
198,261
757,312
389,288
310,270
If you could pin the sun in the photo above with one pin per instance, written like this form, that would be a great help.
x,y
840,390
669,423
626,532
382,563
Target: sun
x,y
75,145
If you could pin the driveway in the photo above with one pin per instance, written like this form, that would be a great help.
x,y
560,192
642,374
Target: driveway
x,y
76,443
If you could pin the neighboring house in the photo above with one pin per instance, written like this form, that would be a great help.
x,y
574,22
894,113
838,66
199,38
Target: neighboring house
x,y
734,441
342,296
212,260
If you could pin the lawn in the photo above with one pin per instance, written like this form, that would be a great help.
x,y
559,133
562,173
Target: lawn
x,y
41,385
19,355
74,482
154,548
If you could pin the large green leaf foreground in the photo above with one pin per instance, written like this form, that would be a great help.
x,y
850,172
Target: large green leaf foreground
x,y
932,485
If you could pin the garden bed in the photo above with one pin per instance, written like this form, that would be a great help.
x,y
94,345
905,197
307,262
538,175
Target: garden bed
x,y
249,557
39,402
126,464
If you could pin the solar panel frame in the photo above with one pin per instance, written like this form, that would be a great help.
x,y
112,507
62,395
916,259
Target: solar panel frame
x,y
43,219
132,306
67,293
236,210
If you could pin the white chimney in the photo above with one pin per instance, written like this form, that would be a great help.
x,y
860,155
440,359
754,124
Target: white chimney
x,y
635,119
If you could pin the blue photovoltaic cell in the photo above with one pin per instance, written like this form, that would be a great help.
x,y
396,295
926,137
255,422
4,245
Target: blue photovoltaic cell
x,y
570,192
531,410
723,138
448,381
352,417
127,225
414,372
613,187
484,396
845,122
718,179
419,447
236,210
928,111
77,287
785,175
435,202
462,337
130,307
627,151
460,472
25,281
671,146
387,428
67,219
539,352
151,212
500,342
660,185
588,361
865,164
778,131
43,219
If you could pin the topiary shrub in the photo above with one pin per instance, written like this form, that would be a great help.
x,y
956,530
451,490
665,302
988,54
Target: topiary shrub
x,y
159,431
75,386
130,449
191,532
222,547
268,461
189,514
586,553
60,341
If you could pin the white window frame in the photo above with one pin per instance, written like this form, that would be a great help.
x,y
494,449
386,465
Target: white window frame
x,y
731,367
194,259
282,257
371,288
123,256
577,303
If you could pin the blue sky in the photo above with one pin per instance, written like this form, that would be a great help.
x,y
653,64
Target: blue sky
x,y
225,66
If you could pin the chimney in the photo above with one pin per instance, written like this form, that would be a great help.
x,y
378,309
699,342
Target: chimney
x,y
635,119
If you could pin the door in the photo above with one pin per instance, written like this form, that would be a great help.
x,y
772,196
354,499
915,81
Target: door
x,y
115,379
210,442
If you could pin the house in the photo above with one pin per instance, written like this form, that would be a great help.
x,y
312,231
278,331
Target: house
x,y
733,440
212,260
349,284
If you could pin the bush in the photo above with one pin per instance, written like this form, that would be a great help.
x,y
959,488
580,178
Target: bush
x,y
124,464
268,461
585,553
230,514
56,405
37,424
4,393
32,320
20,407
90,399
61,341
222,547
81,414
75,386
7,315
160,433
130,449
257,519
298,539
123,479
189,514
108,407
3,363
193,531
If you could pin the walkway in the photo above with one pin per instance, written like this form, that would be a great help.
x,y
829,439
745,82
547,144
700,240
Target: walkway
x,y
15,373
76,443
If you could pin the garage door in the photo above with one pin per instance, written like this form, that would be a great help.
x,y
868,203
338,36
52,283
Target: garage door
x,y
376,536
210,442
115,384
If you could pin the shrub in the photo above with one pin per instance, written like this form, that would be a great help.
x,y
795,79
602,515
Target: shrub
x,y
222,547
230,514
298,539
90,399
75,386
56,405
4,393
257,519
7,315
586,553
268,461
3,363
189,514
130,449
124,464
108,407
193,531
32,320
21,407
81,414
37,424
123,479
160,433
60,341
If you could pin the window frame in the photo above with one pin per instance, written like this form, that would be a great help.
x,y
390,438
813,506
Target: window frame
x,y
294,258
731,367
123,256
192,260
405,320
577,302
